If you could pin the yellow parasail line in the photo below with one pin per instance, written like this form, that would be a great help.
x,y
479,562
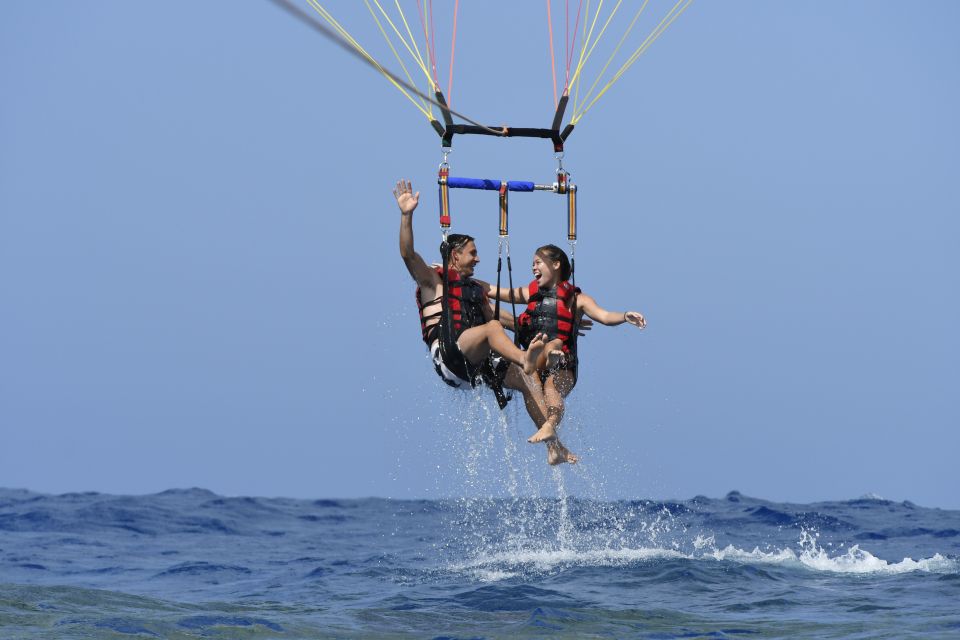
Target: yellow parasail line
x,y
668,20
613,55
396,54
347,38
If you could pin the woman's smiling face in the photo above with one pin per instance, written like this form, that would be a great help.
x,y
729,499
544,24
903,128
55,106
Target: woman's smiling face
x,y
545,272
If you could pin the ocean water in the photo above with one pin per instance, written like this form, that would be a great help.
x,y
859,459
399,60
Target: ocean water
x,y
533,552
192,564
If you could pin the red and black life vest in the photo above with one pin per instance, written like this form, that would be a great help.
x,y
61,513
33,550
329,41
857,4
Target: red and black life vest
x,y
549,311
465,301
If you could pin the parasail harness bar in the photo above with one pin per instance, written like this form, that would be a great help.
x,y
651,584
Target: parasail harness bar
x,y
493,376
554,134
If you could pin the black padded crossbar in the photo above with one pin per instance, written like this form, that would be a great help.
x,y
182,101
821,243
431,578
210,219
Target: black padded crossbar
x,y
448,128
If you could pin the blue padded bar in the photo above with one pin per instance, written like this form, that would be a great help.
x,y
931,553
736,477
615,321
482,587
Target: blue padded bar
x,y
488,185
519,185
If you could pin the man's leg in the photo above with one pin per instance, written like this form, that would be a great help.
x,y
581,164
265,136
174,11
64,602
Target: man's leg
x,y
476,342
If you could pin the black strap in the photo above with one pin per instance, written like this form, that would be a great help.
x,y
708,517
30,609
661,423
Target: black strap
x,y
493,377
576,315
446,318
496,304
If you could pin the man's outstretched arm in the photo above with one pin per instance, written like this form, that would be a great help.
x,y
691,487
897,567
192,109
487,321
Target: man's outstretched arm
x,y
407,200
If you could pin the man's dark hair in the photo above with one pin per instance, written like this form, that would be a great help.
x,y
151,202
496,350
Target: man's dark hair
x,y
456,241
553,253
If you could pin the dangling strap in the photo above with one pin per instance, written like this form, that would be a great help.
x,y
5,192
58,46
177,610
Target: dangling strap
x,y
575,325
496,303
513,301
446,319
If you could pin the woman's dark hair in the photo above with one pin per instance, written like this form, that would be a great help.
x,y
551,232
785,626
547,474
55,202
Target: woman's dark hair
x,y
456,241
553,253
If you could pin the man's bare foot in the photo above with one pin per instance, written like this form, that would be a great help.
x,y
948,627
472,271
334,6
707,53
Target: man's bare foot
x,y
546,433
555,358
533,352
558,454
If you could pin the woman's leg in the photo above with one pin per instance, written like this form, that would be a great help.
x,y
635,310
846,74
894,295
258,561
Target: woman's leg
x,y
532,394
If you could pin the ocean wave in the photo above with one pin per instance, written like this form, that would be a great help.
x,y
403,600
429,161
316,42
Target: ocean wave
x,y
855,560
504,565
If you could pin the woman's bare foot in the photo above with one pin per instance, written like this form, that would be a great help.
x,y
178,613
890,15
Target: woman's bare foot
x,y
546,433
558,454
533,352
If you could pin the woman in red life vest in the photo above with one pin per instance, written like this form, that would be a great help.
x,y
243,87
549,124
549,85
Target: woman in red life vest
x,y
554,307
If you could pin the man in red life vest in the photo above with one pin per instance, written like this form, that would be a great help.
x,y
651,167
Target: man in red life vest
x,y
462,333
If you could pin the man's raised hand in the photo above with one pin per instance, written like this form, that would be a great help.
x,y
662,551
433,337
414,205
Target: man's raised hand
x,y
407,200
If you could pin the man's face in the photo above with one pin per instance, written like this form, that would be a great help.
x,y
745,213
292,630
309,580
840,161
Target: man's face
x,y
465,259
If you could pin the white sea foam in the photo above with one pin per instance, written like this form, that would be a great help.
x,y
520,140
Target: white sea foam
x,y
506,564
855,560
812,556
546,560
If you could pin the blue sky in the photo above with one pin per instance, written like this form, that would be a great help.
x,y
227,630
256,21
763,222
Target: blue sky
x,y
200,286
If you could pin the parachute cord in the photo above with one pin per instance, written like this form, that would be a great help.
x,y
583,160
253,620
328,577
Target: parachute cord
x,y
433,45
613,55
553,61
339,35
426,21
584,53
593,23
421,8
668,20
576,76
413,41
576,27
348,44
396,54
453,49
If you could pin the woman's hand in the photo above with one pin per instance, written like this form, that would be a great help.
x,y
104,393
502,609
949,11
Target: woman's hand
x,y
635,318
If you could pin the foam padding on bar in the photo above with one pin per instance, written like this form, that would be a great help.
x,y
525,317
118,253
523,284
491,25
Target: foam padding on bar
x,y
487,185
